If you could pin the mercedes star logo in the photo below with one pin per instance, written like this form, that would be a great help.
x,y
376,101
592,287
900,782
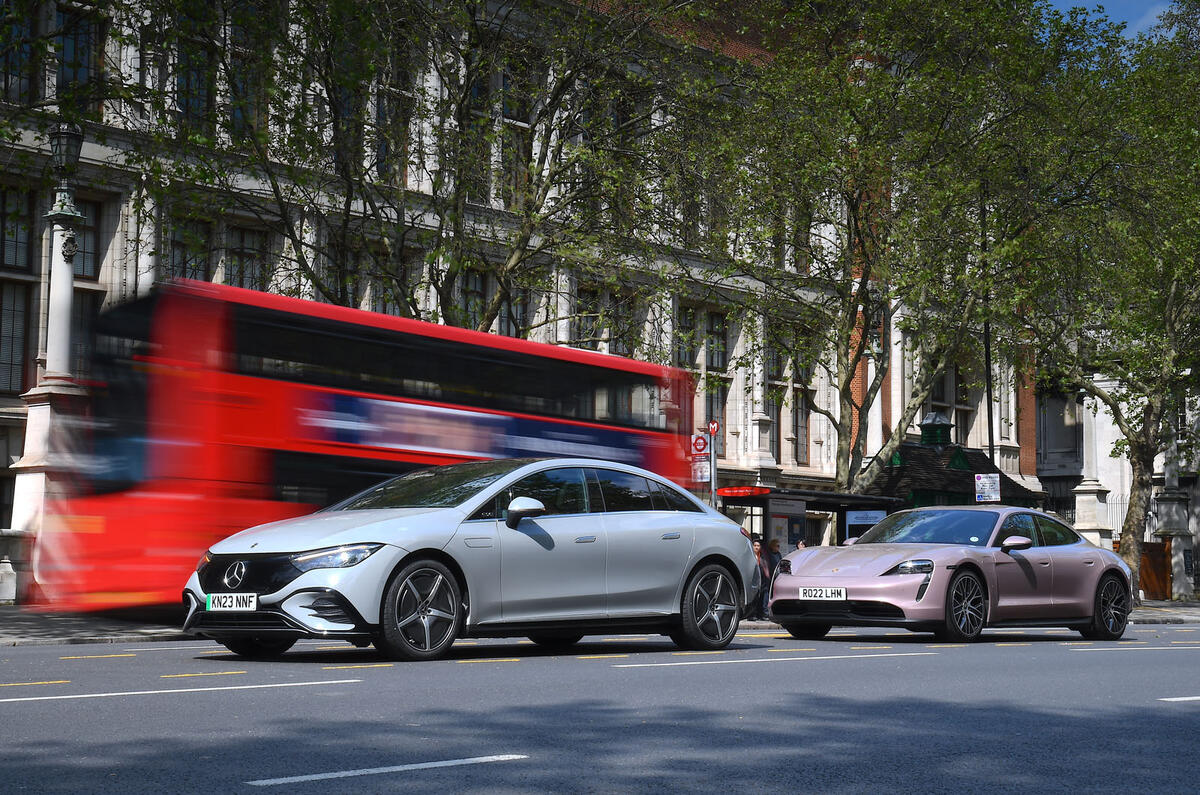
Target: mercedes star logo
x,y
235,574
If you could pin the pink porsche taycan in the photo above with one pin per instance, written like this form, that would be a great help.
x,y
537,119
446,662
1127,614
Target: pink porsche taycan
x,y
953,571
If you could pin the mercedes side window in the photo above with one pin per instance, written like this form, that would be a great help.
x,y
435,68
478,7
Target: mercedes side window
x,y
562,491
1055,534
673,500
1020,524
493,508
624,491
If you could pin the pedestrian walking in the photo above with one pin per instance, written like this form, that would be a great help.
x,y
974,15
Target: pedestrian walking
x,y
758,611
769,563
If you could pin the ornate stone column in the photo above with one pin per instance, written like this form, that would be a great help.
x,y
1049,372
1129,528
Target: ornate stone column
x,y
50,401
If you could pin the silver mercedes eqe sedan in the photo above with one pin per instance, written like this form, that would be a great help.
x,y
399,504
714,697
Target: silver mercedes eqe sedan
x,y
547,549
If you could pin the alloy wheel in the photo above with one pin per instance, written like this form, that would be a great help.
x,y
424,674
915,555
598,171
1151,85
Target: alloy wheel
x,y
966,606
426,612
1114,606
714,606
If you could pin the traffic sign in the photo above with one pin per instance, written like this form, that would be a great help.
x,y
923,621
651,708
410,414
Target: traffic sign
x,y
987,487
713,427
700,445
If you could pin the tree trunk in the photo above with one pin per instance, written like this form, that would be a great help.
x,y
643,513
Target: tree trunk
x,y
1134,526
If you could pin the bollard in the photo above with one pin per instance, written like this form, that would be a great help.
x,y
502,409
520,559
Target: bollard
x,y
8,582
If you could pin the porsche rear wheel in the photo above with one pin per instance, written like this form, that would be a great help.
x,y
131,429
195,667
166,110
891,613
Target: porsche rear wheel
x,y
1110,613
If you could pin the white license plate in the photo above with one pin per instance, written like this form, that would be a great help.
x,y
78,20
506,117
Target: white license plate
x,y
232,601
824,594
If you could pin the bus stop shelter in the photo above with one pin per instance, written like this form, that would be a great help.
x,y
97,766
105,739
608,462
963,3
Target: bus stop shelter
x,y
785,512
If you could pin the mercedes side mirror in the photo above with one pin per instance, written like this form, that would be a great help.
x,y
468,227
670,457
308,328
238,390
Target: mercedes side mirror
x,y
849,542
1015,543
523,508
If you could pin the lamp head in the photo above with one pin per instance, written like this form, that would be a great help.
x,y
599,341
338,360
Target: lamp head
x,y
65,143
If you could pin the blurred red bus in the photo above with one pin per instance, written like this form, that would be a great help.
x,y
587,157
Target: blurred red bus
x,y
213,408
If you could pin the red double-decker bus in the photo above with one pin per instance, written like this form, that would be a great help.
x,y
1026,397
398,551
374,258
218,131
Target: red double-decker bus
x,y
213,408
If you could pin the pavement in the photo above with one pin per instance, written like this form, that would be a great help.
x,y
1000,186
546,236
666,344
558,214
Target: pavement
x,y
21,626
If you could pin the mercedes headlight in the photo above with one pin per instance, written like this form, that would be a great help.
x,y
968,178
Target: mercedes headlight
x,y
334,557
204,559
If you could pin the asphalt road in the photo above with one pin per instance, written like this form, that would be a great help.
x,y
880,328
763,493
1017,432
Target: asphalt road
x,y
863,710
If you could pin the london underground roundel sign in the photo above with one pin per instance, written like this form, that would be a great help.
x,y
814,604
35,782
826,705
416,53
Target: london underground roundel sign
x,y
699,444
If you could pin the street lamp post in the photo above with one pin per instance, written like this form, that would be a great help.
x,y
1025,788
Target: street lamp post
x,y
47,402
65,144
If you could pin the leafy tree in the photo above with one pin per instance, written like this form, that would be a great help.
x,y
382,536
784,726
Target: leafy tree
x,y
891,158
409,144
1119,314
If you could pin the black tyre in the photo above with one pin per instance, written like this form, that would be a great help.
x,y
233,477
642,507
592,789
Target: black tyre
x,y
556,642
709,611
966,608
258,648
421,609
807,631
1110,611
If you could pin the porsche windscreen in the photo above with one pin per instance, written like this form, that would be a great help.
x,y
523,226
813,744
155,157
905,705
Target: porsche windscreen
x,y
964,528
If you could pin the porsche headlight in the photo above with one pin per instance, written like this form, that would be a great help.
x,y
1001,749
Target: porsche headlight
x,y
334,557
913,567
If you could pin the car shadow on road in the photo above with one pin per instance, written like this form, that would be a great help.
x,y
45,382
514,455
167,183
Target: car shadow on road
x,y
469,650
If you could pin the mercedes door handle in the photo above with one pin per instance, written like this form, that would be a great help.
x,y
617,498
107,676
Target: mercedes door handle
x,y
1043,563
670,536
585,540
1089,563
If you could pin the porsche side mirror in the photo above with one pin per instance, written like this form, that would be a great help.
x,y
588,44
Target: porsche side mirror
x,y
523,508
1015,543
849,542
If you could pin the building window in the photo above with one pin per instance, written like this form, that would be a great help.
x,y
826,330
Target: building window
x,y
394,107
772,408
16,227
14,308
195,80
1006,403
585,327
801,415
189,245
716,342
685,336
246,259
87,237
80,49
16,52
951,396
623,332
472,298
249,54
514,313
475,151
519,82
716,399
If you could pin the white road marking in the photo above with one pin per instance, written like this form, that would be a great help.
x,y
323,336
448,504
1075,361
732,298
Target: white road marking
x,y
372,771
179,690
779,659
1143,648
1181,698
175,648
